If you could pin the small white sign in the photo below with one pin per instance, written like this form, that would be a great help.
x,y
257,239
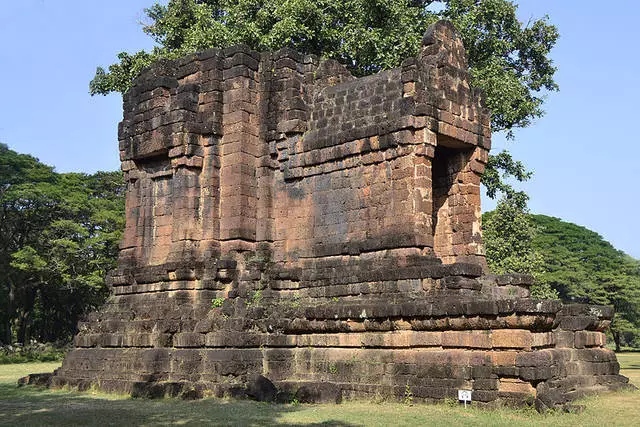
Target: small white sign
x,y
464,395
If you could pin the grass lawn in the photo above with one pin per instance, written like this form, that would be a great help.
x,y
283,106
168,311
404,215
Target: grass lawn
x,y
32,406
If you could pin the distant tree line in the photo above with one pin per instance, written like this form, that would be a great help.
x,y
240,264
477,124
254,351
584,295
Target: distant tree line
x,y
59,235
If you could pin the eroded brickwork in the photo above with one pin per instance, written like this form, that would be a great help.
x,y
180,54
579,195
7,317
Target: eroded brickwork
x,y
227,150
286,219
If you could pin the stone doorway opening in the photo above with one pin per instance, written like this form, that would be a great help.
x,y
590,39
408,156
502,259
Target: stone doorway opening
x,y
450,161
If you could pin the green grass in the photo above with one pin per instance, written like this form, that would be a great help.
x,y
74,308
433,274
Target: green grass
x,y
629,361
33,406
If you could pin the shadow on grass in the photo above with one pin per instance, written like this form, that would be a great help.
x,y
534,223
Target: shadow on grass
x,y
629,360
36,406
632,365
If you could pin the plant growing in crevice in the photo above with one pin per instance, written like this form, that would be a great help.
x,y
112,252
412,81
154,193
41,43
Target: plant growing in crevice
x,y
333,368
256,298
407,399
295,303
217,302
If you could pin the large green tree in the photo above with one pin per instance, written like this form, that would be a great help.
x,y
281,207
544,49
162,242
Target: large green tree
x,y
59,235
509,234
582,266
509,60
569,262
508,238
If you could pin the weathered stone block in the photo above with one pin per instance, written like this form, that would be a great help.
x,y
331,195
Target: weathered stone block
x,y
511,338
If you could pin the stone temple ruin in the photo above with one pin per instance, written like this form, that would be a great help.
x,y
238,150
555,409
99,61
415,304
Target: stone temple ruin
x,y
294,229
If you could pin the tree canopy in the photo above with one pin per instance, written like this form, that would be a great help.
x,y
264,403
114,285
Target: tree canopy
x,y
59,234
509,60
508,239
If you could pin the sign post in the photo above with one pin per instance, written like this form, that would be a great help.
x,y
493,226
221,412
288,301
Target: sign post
x,y
464,396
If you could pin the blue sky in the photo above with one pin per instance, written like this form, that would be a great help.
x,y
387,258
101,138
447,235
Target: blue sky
x,y
584,152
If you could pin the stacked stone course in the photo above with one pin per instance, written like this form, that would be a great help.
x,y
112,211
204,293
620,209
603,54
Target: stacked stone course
x,y
289,221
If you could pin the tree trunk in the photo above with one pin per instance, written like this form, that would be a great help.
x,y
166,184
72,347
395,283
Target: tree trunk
x,y
24,320
616,339
7,331
8,335
5,334
21,328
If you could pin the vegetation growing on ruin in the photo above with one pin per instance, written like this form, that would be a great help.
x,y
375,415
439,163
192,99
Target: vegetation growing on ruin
x,y
217,302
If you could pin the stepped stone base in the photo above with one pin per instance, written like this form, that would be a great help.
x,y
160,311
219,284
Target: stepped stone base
x,y
427,336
